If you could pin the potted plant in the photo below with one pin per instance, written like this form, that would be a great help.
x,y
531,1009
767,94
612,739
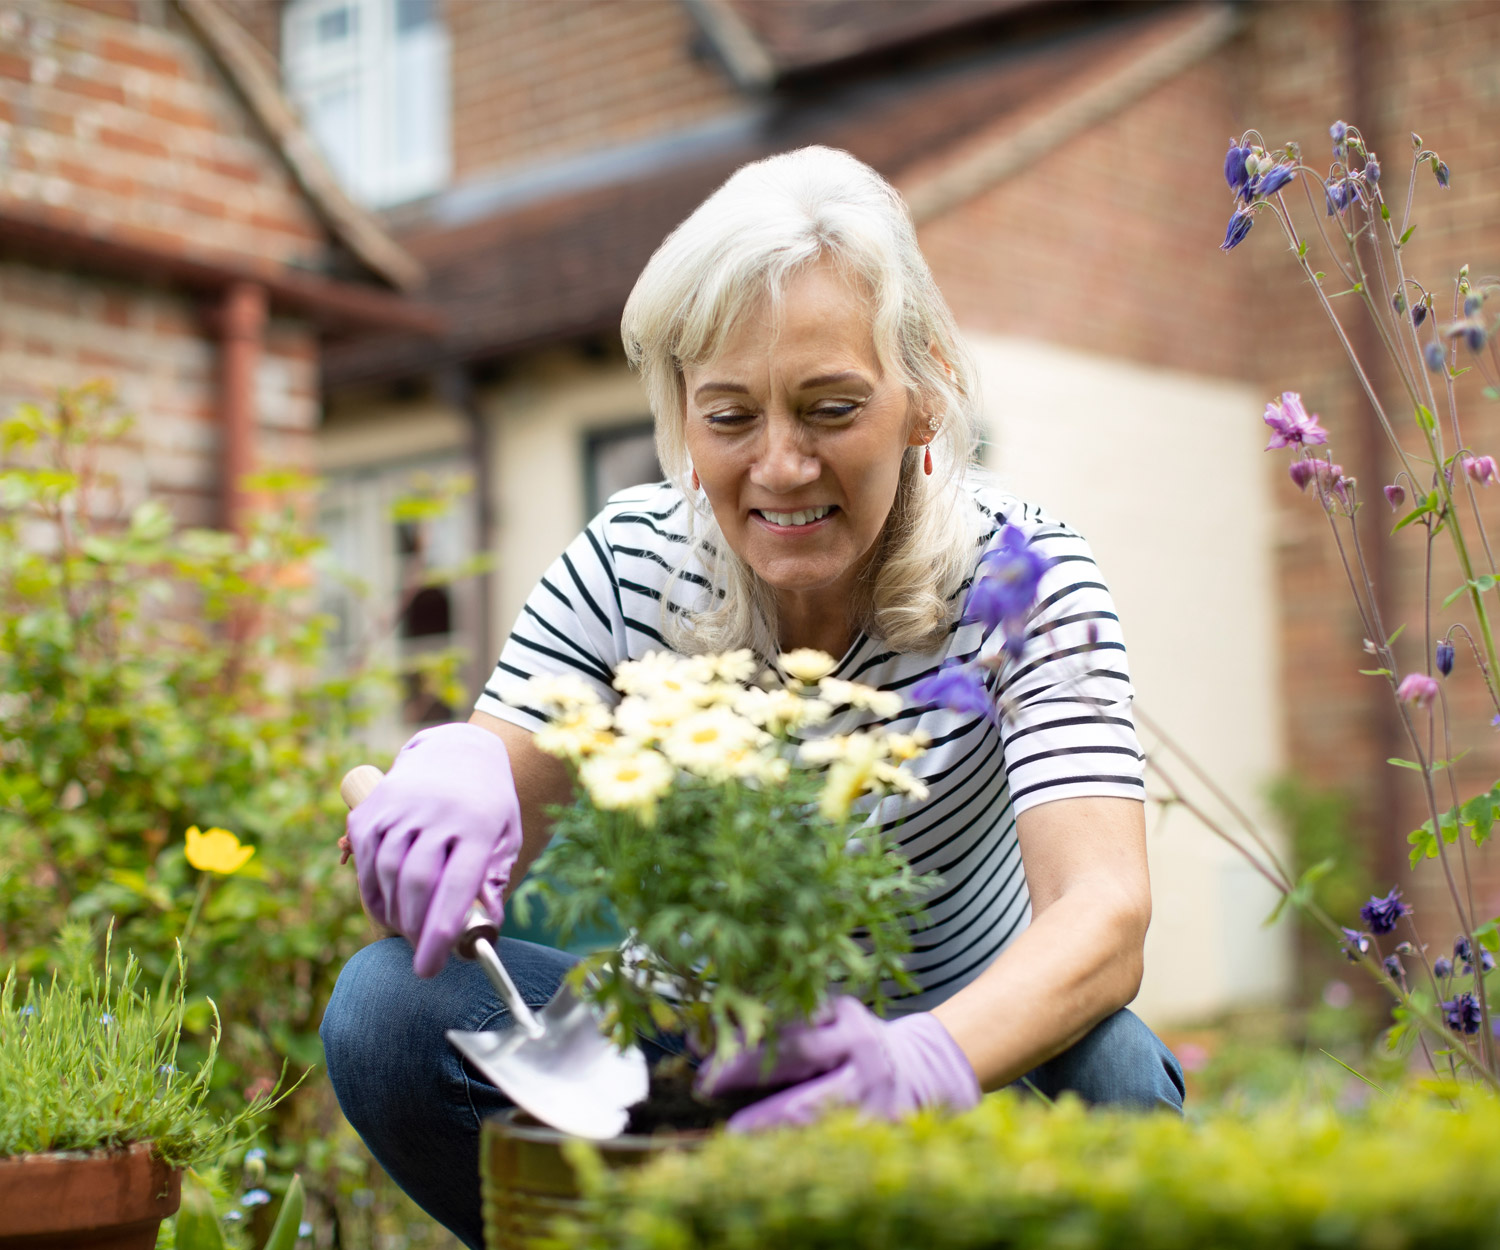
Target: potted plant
x,y
98,1123
722,845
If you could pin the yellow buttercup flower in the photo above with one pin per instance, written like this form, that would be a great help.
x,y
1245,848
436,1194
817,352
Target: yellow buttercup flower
x,y
218,850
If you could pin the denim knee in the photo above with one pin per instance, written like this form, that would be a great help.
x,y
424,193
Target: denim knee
x,y
1120,1063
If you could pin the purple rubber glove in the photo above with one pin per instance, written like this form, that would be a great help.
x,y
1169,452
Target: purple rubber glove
x,y
851,1057
441,830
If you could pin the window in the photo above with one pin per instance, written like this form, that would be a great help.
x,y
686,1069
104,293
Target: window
x,y
617,458
371,79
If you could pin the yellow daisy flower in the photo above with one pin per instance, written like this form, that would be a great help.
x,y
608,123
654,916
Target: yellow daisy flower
x,y
218,850
806,664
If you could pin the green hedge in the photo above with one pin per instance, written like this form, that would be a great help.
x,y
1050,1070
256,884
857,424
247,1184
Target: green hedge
x,y
1013,1173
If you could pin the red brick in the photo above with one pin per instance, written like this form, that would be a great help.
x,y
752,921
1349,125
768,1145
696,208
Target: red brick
x,y
127,52
90,87
129,141
13,66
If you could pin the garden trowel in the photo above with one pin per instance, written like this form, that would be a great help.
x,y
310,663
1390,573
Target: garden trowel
x,y
556,1064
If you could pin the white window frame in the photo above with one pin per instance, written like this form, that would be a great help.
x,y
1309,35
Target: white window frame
x,y
383,69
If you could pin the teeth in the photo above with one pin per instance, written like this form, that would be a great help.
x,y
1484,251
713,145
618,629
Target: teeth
x,y
797,518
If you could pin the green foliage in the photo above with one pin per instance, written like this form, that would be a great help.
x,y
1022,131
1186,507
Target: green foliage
x,y
88,1061
1013,1173
196,1225
1477,815
744,898
1327,854
153,678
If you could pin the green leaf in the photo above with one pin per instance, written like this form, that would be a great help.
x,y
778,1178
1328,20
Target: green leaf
x,y
1490,392
1406,234
1423,844
1400,629
1429,504
1425,418
284,1231
1412,764
1455,594
1302,248
1488,934
1319,276
197,1223
1385,211
1375,672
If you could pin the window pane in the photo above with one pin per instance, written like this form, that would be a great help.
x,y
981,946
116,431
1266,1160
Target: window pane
x,y
333,118
336,24
410,14
615,459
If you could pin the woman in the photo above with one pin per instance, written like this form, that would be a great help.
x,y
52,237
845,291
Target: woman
x,y
816,415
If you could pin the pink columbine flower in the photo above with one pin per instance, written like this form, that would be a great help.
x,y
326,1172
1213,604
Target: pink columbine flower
x,y
1480,468
1302,472
1417,688
1395,496
1290,423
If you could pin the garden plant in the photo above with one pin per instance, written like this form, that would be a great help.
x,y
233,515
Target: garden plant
x,y
721,845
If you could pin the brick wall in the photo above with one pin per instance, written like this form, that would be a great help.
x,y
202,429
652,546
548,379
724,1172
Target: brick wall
x,y
535,82
112,116
128,123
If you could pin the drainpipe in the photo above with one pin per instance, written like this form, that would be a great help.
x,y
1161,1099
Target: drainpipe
x,y
1389,862
242,323
455,385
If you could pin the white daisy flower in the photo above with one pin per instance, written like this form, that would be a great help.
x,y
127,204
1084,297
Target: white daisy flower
x,y
648,719
703,742
884,703
584,730
807,664
560,690
660,672
627,780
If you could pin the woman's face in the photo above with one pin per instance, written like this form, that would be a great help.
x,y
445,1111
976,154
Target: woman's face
x,y
797,439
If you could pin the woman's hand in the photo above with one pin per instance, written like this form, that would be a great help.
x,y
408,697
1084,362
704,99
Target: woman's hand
x,y
886,1068
442,829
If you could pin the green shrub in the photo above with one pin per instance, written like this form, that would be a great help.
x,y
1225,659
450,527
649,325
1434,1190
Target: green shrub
x,y
1409,1172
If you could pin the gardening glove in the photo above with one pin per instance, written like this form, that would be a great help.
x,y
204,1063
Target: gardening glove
x,y
442,829
850,1057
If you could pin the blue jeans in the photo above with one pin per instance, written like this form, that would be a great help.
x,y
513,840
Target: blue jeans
x,y
418,1104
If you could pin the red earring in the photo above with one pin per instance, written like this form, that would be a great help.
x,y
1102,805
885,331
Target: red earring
x,y
927,460
695,480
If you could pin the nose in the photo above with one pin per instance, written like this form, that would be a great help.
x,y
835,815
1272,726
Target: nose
x,y
786,462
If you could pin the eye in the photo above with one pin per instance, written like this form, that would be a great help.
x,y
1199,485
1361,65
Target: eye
x,y
835,410
727,418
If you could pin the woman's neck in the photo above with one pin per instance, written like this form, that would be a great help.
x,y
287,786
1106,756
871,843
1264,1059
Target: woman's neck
x,y
814,620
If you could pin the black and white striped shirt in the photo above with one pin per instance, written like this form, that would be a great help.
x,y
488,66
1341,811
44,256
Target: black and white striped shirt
x,y
1065,729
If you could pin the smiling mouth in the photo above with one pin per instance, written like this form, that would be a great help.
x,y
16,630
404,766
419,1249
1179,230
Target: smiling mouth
x,y
794,520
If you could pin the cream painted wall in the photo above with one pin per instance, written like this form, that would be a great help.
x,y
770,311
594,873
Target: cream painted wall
x,y
538,425
1162,473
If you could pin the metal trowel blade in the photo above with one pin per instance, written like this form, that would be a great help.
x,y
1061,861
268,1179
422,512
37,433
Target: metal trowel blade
x,y
572,1077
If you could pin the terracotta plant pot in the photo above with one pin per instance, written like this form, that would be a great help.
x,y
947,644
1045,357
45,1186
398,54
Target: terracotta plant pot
x,y
527,1181
108,1200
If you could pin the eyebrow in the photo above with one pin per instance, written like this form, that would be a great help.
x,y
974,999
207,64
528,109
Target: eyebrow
x,y
823,379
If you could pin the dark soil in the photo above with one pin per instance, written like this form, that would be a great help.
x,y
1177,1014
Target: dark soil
x,y
672,1105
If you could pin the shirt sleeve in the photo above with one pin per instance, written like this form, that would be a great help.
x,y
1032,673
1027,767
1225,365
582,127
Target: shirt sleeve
x,y
1064,701
571,623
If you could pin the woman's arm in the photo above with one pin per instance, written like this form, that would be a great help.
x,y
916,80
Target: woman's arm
x,y
541,780
1080,959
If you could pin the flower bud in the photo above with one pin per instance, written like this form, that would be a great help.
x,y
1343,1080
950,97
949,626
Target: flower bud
x,y
1395,495
1436,358
1444,657
1234,166
1398,302
1417,689
1372,171
1419,313
1442,966
1339,133
1393,968
1474,335
1302,472
1440,170
1416,141
1480,469
1472,303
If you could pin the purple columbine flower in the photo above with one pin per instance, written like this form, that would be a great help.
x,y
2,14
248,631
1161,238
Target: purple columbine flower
x,y
1372,171
1395,495
1302,472
1435,356
1461,952
1269,182
1443,656
1462,1013
1339,194
957,688
1473,302
1442,966
1235,173
1003,594
1239,227
1419,313
1417,688
1474,334
1440,171
1393,968
1381,914
1480,468
1290,423
1355,943
1339,133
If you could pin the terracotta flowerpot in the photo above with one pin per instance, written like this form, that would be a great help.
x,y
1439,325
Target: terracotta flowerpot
x,y
106,1200
527,1182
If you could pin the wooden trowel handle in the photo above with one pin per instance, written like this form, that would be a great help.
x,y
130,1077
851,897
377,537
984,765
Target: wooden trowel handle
x,y
358,784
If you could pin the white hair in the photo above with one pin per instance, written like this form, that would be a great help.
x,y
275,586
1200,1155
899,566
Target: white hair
x,y
770,221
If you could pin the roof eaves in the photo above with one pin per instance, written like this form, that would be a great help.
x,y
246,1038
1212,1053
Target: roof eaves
x,y
745,57
252,74
1138,65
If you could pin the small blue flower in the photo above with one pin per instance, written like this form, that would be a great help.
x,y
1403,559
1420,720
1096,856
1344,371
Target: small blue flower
x,y
106,1020
255,1198
1462,1013
1393,968
1442,966
1444,657
1461,952
958,688
1235,173
1239,227
27,1010
233,1217
1440,171
1474,335
1435,356
255,1155
1339,194
304,1229
1381,914
1418,314
1339,133
1271,181
1472,304
1372,171
1003,594
1355,943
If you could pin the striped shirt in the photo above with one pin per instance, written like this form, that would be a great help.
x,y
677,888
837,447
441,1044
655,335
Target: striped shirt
x,y
1064,731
